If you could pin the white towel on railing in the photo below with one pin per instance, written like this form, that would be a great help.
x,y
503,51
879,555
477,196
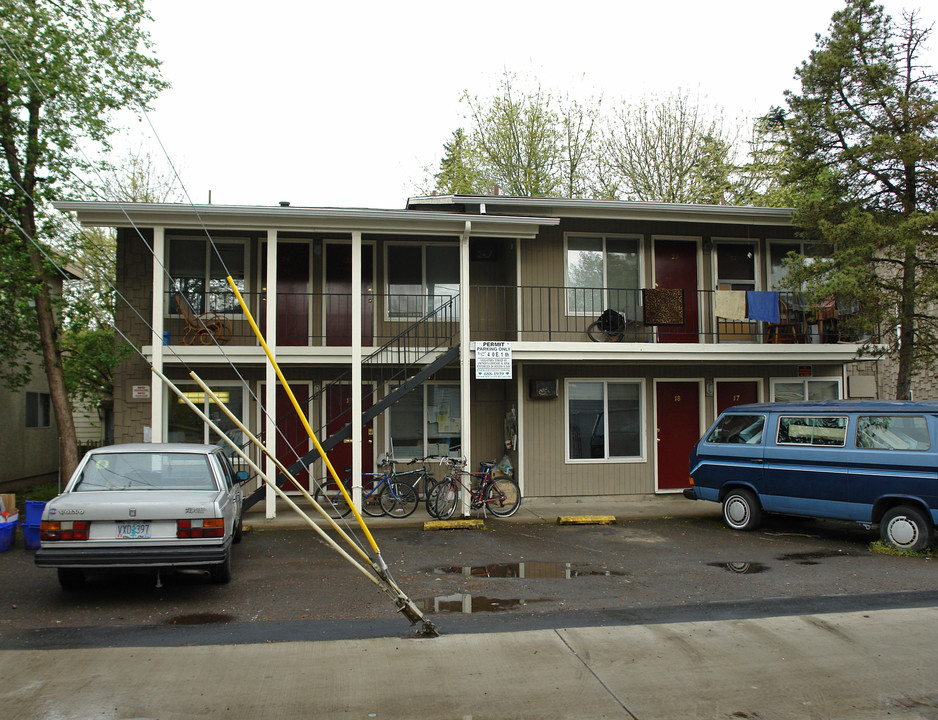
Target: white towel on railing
x,y
730,304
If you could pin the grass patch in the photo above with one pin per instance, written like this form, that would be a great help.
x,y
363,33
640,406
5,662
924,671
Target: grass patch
x,y
41,493
881,548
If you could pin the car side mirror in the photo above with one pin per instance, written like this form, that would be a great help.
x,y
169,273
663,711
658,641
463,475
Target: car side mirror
x,y
242,476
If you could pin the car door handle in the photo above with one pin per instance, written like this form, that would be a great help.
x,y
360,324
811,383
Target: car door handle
x,y
756,460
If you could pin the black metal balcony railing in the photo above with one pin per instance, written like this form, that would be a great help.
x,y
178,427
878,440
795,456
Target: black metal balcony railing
x,y
563,314
519,314
310,319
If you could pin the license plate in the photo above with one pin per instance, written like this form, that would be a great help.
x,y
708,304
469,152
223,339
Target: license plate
x,y
133,530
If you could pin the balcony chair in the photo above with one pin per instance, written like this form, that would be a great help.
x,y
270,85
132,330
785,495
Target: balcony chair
x,y
790,327
207,328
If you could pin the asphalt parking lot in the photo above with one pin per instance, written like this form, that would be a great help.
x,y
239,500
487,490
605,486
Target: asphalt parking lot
x,y
661,616
508,575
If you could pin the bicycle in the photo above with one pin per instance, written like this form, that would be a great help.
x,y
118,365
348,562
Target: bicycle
x,y
608,327
498,495
382,494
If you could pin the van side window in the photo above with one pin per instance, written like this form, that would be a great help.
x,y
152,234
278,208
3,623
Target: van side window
x,y
891,432
812,430
738,429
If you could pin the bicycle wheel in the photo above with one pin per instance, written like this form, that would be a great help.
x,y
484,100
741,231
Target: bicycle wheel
x,y
331,499
598,334
371,497
441,503
398,499
502,497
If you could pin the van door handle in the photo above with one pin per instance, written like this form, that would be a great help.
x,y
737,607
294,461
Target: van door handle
x,y
756,460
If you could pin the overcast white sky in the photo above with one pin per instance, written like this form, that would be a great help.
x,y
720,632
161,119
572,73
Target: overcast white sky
x,y
344,103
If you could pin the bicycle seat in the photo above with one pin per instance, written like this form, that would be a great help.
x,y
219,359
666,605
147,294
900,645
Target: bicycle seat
x,y
487,464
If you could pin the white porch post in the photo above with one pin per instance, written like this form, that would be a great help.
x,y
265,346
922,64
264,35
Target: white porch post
x,y
157,391
356,389
270,376
465,375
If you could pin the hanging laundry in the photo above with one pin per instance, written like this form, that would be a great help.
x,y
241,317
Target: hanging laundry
x,y
730,304
762,305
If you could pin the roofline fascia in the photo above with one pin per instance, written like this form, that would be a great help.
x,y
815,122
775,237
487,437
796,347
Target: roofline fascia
x,y
302,219
621,209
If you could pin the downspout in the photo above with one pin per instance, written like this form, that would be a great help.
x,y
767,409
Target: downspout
x,y
464,366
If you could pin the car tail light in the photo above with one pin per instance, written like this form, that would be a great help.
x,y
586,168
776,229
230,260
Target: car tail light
x,y
207,528
69,530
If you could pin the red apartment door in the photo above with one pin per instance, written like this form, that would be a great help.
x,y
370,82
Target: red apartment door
x,y
677,407
293,294
736,392
338,415
676,267
338,299
292,439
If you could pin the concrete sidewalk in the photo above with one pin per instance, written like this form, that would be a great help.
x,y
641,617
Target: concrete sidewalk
x,y
532,510
848,666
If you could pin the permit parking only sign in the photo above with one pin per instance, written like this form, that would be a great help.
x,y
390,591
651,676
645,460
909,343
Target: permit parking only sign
x,y
493,360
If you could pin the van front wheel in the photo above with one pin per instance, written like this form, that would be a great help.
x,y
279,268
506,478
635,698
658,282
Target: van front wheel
x,y
741,510
906,528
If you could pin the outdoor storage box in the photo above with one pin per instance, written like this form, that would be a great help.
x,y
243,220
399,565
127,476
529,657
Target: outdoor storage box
x,y
7,533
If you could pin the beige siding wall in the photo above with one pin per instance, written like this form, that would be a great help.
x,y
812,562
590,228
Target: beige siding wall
x,y
543,443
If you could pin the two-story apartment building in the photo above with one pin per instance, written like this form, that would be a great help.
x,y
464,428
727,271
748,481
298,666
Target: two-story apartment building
x,y
397,302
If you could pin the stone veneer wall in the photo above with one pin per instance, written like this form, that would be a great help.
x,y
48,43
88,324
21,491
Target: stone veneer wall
x,y
135,282
924,383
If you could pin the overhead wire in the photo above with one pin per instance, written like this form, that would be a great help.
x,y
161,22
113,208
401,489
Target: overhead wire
x,y
405,605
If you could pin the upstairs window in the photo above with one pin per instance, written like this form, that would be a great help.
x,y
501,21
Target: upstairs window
x,y
421,280
603,272
198,270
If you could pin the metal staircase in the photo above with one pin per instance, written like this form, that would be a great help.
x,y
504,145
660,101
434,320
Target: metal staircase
x,y
404,362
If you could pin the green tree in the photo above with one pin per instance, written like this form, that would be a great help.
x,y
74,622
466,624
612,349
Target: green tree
x,y
666,150
517,135
461,169
90,351
863,159
66,67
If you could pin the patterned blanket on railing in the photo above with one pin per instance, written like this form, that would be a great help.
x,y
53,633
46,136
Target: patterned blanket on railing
x,y
663,306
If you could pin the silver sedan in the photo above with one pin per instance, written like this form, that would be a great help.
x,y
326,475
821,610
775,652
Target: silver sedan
x,y
144,506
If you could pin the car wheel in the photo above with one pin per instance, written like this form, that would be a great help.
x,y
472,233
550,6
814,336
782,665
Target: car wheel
x,y
221,573
906,528
741,510
71,578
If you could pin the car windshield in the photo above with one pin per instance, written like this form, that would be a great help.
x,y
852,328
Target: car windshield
x,y
146,471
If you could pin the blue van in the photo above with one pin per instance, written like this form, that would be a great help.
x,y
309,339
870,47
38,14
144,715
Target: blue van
x,y
872,462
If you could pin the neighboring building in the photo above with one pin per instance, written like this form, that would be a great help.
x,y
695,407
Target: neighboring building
x,y
607,418
29,438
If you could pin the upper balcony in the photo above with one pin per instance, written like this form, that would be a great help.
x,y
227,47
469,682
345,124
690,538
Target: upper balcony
x,y
535,315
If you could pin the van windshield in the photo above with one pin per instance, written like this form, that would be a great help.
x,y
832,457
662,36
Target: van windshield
x,y
738,429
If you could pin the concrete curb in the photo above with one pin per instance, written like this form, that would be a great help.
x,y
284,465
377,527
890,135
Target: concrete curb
x,y
586,520
465,524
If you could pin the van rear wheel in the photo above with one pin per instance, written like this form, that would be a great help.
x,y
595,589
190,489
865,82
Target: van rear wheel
x,y
741,510
906,528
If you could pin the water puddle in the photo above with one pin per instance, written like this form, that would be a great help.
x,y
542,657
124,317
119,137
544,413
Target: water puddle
x,y
741,568
530,570
468,604
199,619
